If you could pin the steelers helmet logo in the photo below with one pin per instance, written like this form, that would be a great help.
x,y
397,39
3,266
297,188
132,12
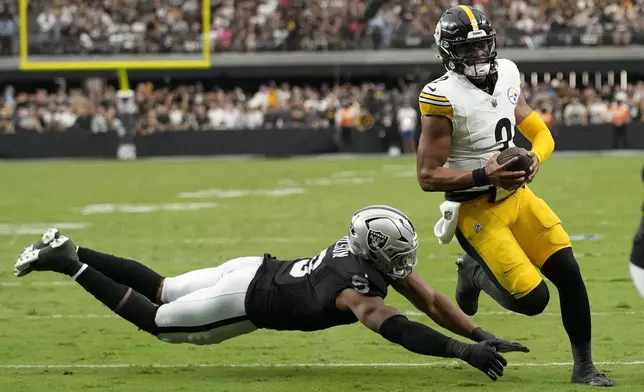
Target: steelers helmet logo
x,y
513,95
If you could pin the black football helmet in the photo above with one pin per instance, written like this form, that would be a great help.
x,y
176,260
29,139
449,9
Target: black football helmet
x,y
466,42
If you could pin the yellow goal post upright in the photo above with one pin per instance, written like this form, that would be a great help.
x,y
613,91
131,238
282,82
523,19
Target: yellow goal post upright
x,y
95,63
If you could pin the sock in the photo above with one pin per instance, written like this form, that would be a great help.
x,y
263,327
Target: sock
x,y
119,298
582,357
127,272
562,269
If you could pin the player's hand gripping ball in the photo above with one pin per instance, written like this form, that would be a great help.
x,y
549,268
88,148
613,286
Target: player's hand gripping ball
x,y
524,161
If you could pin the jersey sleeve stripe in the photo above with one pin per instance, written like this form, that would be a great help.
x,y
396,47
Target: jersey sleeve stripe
x,y
434,102
434,97
429,109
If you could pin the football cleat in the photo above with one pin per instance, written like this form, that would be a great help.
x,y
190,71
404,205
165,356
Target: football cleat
x,y
594,379
467,293
53,252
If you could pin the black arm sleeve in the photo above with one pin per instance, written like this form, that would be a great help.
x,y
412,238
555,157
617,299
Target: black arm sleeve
x,y
419,338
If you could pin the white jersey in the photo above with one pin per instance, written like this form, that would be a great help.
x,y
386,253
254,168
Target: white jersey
x,y
483,124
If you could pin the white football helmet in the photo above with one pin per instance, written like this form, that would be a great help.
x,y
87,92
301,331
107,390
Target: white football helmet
x,y
385,237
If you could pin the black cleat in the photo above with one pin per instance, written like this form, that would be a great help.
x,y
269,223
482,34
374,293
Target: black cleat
x,y
467,293
594,378
54,252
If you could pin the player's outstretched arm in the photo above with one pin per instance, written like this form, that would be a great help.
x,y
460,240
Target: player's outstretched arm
x,y
417,337
446,314
435,305
536,131
433,149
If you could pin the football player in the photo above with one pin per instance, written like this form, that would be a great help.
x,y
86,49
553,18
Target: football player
x,y
637,255
469,116
344,283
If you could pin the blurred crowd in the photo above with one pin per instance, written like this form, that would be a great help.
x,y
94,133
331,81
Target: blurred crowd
x,y
162,26
282,105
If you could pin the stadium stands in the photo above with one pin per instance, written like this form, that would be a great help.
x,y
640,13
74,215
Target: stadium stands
x,y
155,26
194,107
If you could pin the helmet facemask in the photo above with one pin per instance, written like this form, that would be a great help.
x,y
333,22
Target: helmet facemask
x,y
476,57
397,266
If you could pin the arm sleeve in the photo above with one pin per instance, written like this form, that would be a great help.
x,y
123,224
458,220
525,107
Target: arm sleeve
x,y
419,338
535,130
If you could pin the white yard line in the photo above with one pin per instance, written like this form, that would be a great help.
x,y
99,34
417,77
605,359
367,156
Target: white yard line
x,y
299,365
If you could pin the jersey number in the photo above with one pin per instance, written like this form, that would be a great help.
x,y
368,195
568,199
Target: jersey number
x,y
504,124
306,266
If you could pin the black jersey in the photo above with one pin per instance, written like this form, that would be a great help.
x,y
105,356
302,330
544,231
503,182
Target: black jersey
x,y
300,294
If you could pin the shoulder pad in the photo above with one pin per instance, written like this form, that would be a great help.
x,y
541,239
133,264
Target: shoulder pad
x,y
506,65
432,102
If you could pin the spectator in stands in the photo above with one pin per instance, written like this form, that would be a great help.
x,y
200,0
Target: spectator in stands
x,y
99,121
407,118
546,115
373,108
621,117
575,113
153,26
346,121
598,111
8,32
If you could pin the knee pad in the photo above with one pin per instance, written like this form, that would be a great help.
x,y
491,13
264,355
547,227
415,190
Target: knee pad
x,y
535,302
562,269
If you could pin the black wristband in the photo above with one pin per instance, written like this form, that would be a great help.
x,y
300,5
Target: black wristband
x,y
480,178
479,335
419,338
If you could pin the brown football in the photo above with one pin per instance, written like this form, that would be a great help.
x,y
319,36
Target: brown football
x,y
522,164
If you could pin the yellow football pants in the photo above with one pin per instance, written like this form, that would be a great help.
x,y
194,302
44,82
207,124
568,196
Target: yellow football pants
x,y
514,238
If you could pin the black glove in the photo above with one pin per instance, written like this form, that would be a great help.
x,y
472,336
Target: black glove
x,y
505,346
484,357
501,345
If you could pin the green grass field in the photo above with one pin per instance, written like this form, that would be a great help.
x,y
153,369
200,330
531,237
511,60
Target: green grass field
x,y
290,208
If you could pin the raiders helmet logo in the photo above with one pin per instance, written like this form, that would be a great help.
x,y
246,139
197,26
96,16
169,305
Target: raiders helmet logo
x,y
376,240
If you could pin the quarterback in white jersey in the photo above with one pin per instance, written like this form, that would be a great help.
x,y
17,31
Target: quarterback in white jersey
x,y
510,236
483,124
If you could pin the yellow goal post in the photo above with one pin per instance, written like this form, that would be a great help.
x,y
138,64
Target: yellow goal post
x,y
94,63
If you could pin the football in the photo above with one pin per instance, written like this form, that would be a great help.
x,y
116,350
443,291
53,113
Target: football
x,y
522,164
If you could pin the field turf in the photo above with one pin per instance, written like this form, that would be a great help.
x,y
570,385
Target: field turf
x,y
56,337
